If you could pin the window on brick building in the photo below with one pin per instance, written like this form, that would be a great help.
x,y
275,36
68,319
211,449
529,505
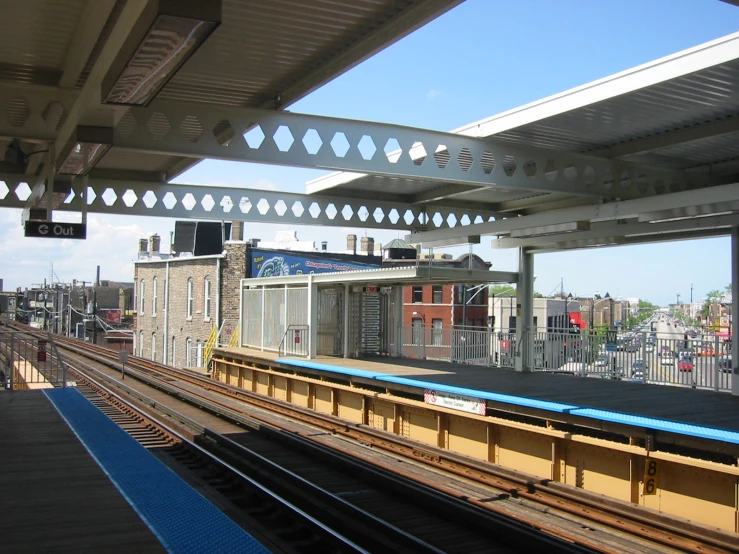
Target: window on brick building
x,y
206,298
436,332
436,291
190,298
153,347
417,295
188,352
199,353
142,293
154,296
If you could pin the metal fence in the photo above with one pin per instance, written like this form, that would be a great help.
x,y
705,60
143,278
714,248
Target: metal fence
x,y
268,312
699,362
295,341
30,362
696,362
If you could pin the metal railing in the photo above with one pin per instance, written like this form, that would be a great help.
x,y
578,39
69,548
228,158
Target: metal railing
x,y
295,341
30,363
699,362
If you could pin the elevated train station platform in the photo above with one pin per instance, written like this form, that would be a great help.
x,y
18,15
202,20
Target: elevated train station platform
x,y
71,480
591,433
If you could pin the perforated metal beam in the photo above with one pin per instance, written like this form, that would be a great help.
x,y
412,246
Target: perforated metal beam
x,y
597,212
628,230
630,241
223,203
283,138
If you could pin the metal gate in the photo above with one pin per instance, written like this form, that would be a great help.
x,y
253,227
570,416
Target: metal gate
x,y
369,324
30,363
330,322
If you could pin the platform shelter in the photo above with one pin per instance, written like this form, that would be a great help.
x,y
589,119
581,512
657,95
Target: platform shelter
x,y
346,314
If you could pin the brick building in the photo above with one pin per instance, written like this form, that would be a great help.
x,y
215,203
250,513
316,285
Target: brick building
x,y
440,306
181,297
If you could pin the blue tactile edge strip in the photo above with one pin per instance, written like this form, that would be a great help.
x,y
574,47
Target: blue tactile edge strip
x,y
712,433
700,431
180,517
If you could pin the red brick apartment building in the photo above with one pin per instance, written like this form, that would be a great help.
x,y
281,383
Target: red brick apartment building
x,y
441,306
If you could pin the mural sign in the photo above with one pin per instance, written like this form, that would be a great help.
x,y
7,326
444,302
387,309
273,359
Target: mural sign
x,y
266,263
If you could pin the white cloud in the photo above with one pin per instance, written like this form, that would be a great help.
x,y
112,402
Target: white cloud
x,y
433,94
112,242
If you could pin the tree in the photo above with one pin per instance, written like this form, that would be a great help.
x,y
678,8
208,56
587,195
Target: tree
x,y
712,295
505,289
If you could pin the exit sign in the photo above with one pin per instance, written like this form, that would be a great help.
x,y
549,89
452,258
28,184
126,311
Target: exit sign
x,y
51,230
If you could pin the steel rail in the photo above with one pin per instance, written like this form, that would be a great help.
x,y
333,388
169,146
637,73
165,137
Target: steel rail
x,y
653,527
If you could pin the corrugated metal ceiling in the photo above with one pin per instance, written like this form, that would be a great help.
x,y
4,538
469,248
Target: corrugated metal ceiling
x,y
34,37
695,99
708,95
264,48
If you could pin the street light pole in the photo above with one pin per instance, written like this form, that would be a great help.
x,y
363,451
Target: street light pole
x,y
423,331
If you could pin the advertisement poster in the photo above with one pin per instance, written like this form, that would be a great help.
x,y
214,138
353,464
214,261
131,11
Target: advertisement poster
x,y
276,264
111,317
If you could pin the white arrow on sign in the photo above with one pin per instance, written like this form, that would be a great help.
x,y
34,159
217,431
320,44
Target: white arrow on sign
x,y
43,229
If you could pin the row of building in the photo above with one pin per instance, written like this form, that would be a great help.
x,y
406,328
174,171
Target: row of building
x,y
185,296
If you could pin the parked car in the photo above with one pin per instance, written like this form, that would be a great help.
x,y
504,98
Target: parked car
x,y
602,361
650,347
637,369
707,350
667,359
685,365
724,365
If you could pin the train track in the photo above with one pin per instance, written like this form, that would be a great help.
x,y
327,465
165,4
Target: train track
x,y
572,518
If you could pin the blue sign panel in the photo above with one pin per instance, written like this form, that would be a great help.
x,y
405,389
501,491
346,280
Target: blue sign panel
x,y
265,263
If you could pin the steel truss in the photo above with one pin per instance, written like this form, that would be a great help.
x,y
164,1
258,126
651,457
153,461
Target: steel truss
x,y
284,138
207,202
613,231
715,200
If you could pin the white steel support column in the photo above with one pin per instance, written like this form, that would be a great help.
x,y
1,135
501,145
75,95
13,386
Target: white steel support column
x,y
165,348
347,292
525,312
734,309
398,321
312,318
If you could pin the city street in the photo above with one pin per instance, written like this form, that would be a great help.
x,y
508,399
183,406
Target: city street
x,y
663,358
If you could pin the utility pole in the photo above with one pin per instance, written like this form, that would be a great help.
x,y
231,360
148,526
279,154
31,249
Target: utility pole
x,y
95,308
691,293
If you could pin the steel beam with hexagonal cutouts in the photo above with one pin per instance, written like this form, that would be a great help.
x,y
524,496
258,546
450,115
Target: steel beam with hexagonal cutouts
x,y
284,138
224,203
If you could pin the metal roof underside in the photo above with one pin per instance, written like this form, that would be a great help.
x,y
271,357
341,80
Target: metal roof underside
x,y
263,55
400,276
680,112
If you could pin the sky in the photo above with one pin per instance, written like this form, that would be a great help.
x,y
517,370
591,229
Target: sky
x,y
482,58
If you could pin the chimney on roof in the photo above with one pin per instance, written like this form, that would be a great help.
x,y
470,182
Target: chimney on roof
x,y
154,242
254,242
324,246
237,230
143,246
368,245
351,243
